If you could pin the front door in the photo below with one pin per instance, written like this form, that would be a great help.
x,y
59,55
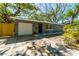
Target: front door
x,y
40,28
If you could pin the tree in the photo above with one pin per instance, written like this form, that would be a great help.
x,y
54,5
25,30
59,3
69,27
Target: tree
x,y
12,9
73,13
58,12
50,12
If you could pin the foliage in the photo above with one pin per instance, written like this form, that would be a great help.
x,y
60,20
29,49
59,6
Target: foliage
x,y
15,9
51,12
71,34
71,31
72,13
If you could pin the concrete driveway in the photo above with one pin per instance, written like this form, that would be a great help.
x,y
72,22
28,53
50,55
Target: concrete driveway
x,y
35,46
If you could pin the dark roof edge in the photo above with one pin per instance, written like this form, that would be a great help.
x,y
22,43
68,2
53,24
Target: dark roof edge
x,y
24,19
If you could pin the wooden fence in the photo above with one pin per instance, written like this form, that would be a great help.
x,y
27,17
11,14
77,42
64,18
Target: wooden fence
x,y
7,29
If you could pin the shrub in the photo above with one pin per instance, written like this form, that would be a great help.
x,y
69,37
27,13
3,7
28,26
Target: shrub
x,y
71,34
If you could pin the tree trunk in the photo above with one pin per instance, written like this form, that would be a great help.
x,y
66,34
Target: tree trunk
x,y
72,20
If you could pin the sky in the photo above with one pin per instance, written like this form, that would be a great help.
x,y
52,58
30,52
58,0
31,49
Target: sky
x,y
42,5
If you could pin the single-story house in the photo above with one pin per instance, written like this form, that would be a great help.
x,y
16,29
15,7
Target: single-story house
x,y
28,27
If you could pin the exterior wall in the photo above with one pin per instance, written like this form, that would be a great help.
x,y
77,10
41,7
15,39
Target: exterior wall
x,y
32,27
43,28
57,27
35,28
48,28
24,28
51,28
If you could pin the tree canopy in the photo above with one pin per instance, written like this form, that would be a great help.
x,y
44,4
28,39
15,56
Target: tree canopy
x,y
15,9
50,12
46,12
73,13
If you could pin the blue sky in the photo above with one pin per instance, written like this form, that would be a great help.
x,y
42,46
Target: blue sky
x,y
42,5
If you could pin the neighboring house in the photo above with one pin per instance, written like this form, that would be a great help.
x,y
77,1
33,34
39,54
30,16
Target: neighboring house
x,y
28,27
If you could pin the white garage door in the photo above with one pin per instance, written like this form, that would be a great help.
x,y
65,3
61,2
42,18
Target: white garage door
x,y
24,28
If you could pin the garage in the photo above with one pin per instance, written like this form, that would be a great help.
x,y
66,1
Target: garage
x,y
24,28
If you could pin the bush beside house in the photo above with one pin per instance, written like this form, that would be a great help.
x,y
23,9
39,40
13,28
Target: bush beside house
x,y
71,34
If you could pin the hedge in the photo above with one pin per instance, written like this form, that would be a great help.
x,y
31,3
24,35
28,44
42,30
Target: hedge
x,y
71,34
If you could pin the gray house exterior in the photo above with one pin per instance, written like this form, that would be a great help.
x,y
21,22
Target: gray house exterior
x,y
30,27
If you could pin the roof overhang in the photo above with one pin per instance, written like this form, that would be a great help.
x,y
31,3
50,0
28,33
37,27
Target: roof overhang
x,y
31,20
